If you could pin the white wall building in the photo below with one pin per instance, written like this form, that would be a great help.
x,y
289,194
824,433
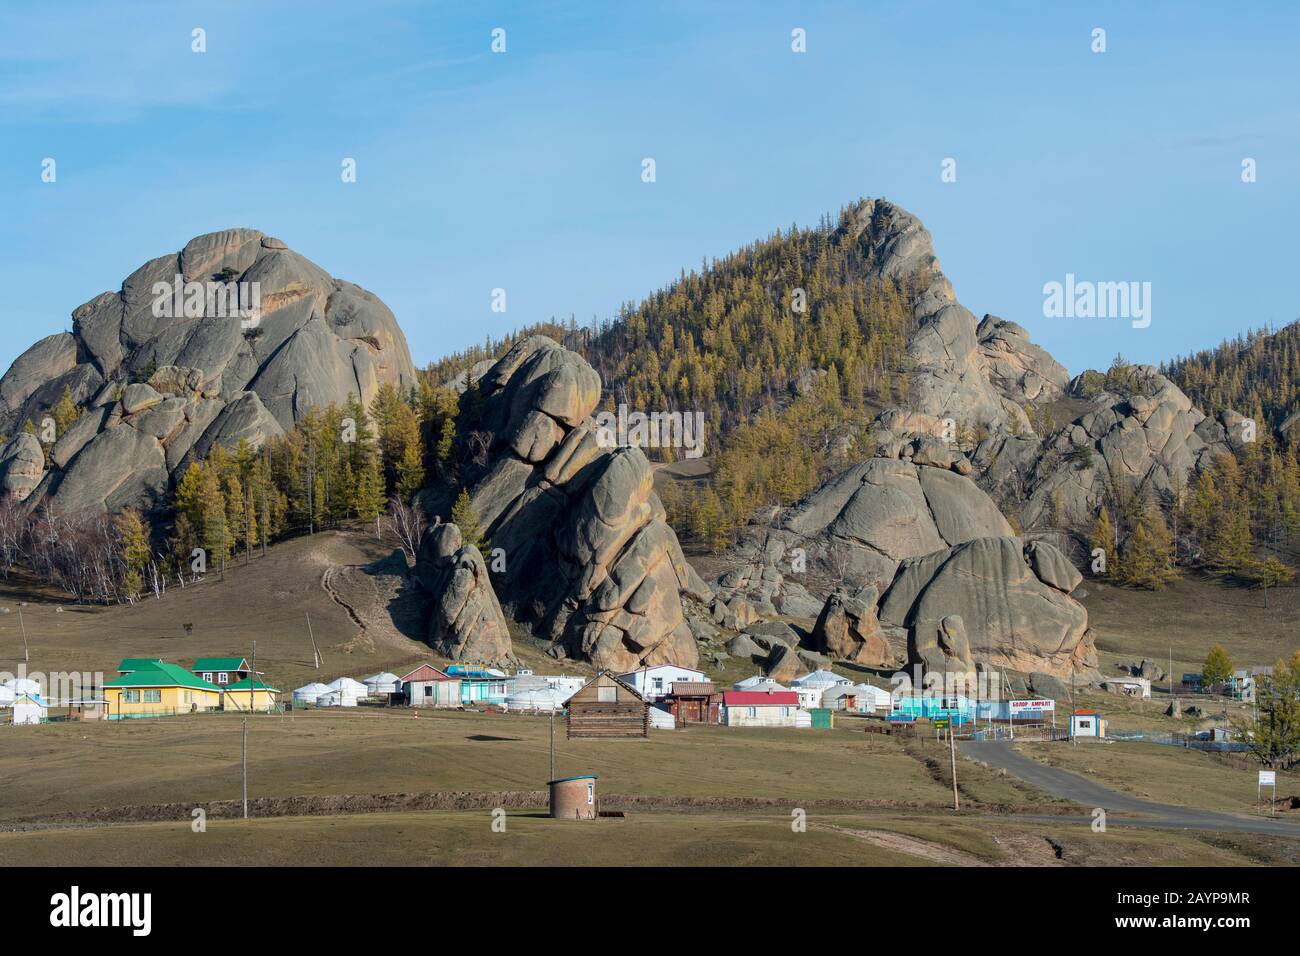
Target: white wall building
x,y
858,699
655,683
742,708
809,697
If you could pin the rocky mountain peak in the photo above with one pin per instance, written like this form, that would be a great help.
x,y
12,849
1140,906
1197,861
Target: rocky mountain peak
x,y
234,336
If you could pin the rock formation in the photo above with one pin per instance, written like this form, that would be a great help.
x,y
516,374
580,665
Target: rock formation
x,y
590,562
1148,441
860,524
466,622
848,630
909,552
267,335
1009,618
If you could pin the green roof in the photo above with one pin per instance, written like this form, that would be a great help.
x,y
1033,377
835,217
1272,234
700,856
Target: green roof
x,y
221,664
138,664
161,675
243,685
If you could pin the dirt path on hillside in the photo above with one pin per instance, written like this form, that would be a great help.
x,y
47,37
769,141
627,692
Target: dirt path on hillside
x,y
377,598
911,846
1020,849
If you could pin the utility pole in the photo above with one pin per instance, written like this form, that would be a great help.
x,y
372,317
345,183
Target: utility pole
x,y
27,658
1171,672
552,740
952,756
252,680
314,652
1073,741
244,761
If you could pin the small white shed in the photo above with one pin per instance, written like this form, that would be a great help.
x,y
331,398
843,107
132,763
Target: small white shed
x,y
29,708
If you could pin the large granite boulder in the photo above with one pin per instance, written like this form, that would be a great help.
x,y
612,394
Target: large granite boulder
x,y
856,528
22,463
268,335
1148,441
590,562
848,630
1010,619
466,622
1020,370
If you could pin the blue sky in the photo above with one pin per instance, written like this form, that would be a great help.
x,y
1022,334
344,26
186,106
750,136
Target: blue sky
x,y
522,170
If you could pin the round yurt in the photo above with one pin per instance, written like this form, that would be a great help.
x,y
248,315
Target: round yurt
x,y
822,679
383,684
6,695
23,685
309,694
349,688
337,698
759,683
536,700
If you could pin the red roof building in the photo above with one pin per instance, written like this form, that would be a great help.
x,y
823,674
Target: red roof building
x,y
760,698
426,672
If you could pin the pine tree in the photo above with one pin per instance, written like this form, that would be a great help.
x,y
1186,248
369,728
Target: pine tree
x,y
465,518
1103,539
1217,668
133,550
66,412
1148,554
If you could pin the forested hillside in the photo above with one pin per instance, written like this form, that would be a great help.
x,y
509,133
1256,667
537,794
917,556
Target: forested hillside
x,y
788,346
1257,374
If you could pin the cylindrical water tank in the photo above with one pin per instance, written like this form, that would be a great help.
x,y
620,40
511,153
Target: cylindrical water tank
x,y
573,798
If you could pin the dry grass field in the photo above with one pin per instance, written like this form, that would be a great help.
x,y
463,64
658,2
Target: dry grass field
x,y
700,796
87,792
1189,617
1165,774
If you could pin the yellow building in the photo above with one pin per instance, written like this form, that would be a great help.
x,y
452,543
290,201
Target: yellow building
x,y
238,694
159,690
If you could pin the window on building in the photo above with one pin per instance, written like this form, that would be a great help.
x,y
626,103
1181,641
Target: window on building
x,y
207,676
153,695
753,711
659,683
223,678
428,690
607,695
130,697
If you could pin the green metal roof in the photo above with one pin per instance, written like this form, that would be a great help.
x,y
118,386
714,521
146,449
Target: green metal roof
x,y
221,664
138,663
243,685
161,675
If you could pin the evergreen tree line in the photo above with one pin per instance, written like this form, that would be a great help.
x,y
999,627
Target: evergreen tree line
x,y
338,464
1257,374
1237,519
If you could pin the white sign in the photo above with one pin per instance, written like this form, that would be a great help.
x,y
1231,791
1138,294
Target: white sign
x,y
1268,778
1021,705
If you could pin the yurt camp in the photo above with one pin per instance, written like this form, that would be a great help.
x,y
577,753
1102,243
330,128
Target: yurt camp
x,y
308,694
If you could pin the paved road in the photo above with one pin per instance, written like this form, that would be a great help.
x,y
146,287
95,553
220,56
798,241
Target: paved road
x,y
1081,790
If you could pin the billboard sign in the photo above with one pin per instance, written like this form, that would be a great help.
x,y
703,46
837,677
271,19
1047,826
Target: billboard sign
x,y
1038,706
